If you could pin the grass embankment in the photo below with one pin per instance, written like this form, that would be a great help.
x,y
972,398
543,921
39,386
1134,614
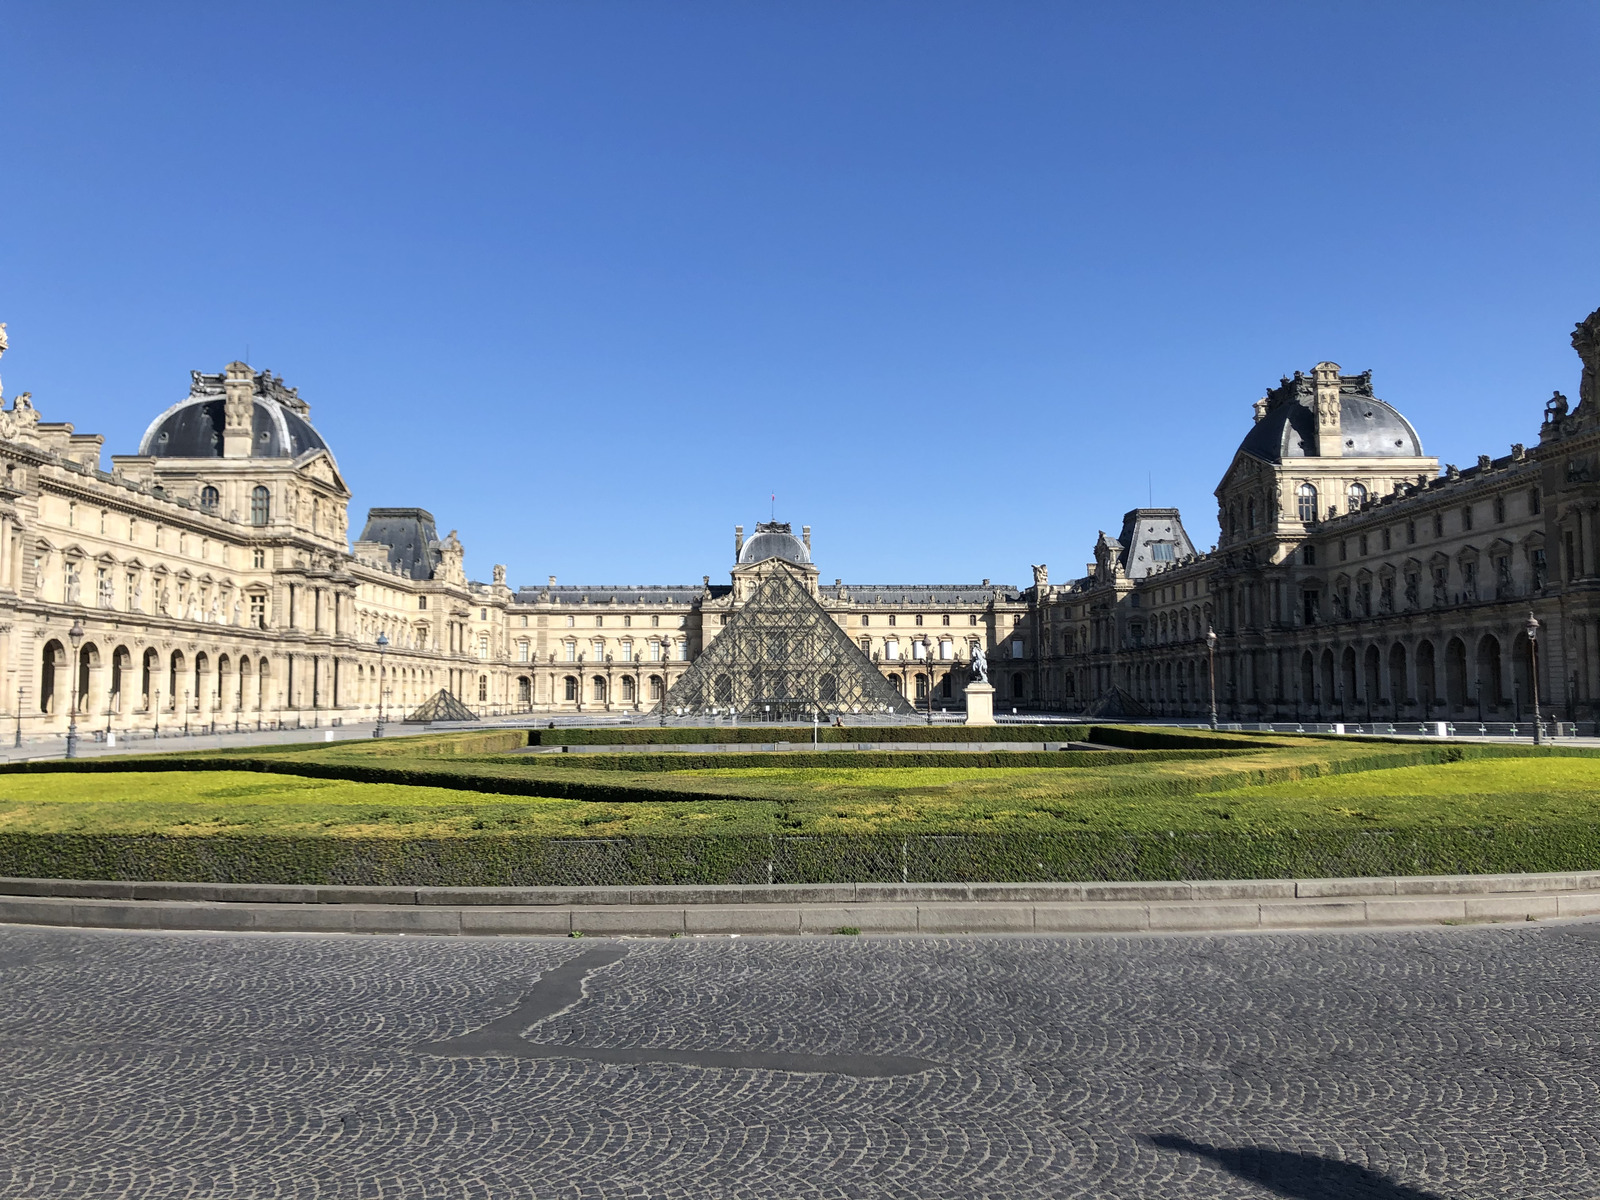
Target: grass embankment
x,y
372,812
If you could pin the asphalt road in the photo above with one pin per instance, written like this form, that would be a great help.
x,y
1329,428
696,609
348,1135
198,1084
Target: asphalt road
x,y
1446,1063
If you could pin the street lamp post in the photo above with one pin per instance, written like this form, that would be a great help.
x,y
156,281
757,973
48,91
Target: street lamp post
x,y
74,635
19,717
1532,629
1211,670
383,649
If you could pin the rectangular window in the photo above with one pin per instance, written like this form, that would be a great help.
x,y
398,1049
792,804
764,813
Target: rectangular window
x,y
683,651
1411,533
483,645
891,618
422,605
571,621
1438,524
627,651
1500,510
1308,555
258,611
973,619
1386,539
1534,506
522,651
1466,516
1363,545
655,621
599,621
1538,570
866,620
947,649
655,651
627,622
572,651
919,618
524,622
1502,566
1344,550
1572,556
1016,647
1313,606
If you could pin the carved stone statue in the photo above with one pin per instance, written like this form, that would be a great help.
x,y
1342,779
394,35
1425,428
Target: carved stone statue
x,y
1586,341
980,665
1041,575
1555,408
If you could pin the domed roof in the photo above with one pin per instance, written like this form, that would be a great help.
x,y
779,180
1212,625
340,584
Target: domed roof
x,y
1371,428
773,539
192,428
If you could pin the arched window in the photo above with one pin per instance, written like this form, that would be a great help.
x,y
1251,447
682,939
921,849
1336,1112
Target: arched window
x,y
599,688
1357,496
1307,502
524,690
572,687
209,498
655,687
260,506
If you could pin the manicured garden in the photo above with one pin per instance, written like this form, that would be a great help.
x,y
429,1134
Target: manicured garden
x,y
467,809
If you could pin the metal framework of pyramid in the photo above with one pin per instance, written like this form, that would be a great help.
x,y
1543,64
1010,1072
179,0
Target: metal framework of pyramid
x,y
441,706
782,656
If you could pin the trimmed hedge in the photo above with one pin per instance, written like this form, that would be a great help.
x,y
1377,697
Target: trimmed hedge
x,y
680,735
845,759
499,860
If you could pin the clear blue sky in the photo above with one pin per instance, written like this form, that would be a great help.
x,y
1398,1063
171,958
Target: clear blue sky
x,y
591,280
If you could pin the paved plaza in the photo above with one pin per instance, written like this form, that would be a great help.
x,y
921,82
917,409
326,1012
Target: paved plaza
x,y
1448,1063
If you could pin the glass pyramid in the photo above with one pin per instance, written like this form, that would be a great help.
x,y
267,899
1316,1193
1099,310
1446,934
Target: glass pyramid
x,y
441,706
782,656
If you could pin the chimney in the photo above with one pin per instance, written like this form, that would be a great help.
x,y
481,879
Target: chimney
x,y
738,541
1330,432
552,581
805,532
238,410
1260,407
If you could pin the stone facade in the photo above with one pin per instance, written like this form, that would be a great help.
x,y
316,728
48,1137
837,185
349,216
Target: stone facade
x,y
1355,581
214,579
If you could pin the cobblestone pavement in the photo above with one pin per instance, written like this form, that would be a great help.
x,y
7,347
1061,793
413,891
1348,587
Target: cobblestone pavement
x,y
1405,1065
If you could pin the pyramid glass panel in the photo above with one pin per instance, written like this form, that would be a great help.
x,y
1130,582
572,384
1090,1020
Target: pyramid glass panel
x,y
782,656
441,706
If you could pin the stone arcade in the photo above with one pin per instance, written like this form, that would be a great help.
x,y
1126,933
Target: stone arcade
x,y
215,582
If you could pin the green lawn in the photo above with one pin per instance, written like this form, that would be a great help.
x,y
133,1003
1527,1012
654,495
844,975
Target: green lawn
x,y
1208,794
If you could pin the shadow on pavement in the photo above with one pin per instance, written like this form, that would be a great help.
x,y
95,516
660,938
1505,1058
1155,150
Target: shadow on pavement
x,y
1297,1175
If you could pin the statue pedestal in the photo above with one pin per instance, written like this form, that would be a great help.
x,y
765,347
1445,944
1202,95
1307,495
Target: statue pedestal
x,y
980,704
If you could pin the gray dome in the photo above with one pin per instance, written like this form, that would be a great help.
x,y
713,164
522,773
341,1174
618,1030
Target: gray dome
x,y
1372,428
774,541
192,428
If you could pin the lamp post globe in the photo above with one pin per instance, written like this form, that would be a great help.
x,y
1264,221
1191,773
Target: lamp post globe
x,y
75,636
1531,628
1211,671
383,649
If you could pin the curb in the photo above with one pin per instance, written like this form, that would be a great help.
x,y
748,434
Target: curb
x,y
1195,906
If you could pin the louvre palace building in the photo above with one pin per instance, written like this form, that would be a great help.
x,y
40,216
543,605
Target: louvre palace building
x,y
209,580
